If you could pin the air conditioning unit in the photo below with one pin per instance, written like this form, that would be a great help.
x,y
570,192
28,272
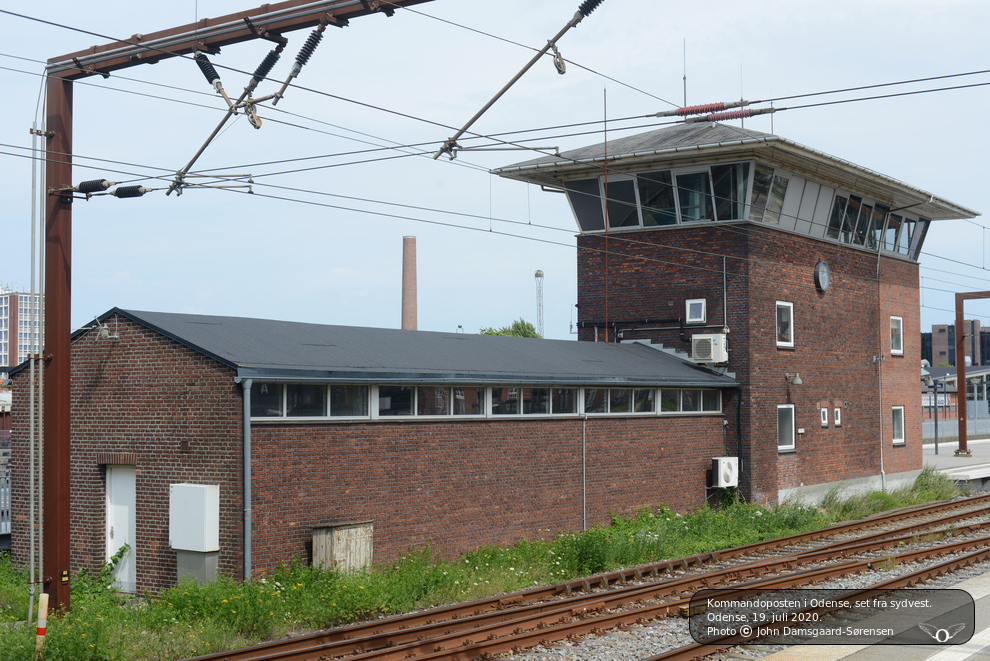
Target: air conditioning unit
x,y
709,348
725,472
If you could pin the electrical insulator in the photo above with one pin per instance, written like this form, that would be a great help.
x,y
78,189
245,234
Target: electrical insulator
x,y
129,191
263,70
302,58
93,186
307,49
212,77
589,6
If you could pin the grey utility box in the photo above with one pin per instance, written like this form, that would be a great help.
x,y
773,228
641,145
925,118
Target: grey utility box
x,y
194,530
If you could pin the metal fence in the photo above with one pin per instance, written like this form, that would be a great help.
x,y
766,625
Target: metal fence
x,y
977,424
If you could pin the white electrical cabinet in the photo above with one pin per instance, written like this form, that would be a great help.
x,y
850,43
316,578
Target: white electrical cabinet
x,y
194,517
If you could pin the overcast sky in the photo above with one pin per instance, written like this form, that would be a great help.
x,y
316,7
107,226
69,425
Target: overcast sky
x,y
321,238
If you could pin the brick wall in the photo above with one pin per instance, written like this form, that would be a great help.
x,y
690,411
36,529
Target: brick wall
x,y
149,399
460,484
746,269
450,484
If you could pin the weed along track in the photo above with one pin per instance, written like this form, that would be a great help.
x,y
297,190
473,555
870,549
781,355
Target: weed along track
x,y
895,550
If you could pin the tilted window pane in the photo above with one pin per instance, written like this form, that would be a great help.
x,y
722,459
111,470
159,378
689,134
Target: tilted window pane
x,y
585,198
656,195
348,400
762,178
835,220
850,218
918,237
564,400
431,400
266,400
729,183
505,401
643,401
890,236
876,226
694,196
469,401
776,200
304,400
620,400
711,400
536,400
595,400
863,228
904,240
670,400
395,400
620,202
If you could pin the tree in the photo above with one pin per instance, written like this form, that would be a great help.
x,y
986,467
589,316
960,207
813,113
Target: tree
x,y
519,328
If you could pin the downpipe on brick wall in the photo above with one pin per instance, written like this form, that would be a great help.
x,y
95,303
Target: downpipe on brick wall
x,y
246,385
584,472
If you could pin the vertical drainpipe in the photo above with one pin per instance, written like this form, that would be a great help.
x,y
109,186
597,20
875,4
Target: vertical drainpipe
x,y
246,385
584,470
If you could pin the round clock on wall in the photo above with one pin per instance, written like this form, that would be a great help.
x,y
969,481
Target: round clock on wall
x,y
823,275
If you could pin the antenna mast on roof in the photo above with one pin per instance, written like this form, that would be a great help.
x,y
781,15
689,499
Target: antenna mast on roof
x,y
539,303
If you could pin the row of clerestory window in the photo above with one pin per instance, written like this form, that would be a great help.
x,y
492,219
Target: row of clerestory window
x,y
316,400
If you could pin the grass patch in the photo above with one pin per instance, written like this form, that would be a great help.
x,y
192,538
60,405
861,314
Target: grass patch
x,y
192,619
930,485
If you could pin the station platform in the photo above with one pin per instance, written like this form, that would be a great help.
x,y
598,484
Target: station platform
x,y
970,472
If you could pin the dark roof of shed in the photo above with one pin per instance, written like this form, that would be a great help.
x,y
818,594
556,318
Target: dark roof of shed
x,y
693,143
261,348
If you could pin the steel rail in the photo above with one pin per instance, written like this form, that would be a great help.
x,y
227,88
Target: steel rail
x,y
483,622
701,650
551,633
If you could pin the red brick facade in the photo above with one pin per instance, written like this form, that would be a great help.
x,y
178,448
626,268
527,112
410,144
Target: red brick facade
x,y
170,411
742,270
451,484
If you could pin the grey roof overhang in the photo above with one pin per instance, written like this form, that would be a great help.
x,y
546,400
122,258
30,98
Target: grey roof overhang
x,y
291,351
692,144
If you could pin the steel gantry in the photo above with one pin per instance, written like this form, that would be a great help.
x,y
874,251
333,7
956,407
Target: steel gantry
x,y
205,36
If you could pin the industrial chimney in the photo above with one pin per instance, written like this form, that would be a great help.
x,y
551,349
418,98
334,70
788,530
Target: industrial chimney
x,y
409,313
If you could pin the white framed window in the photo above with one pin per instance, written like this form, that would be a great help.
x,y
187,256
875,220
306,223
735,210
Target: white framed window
x,y
695,310
824,413
785,324
897,336
897,424
838,416
785,427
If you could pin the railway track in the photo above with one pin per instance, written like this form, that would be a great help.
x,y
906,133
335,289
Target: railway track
x,y
959,529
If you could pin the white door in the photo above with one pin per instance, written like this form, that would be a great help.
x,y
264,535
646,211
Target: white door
x,y
121,523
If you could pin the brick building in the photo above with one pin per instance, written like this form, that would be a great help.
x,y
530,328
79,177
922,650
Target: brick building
x,y
803,266
20,326
440,439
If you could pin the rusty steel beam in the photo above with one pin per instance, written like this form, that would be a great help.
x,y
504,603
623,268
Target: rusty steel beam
x,y
961,387
210,34
57,367
266,22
